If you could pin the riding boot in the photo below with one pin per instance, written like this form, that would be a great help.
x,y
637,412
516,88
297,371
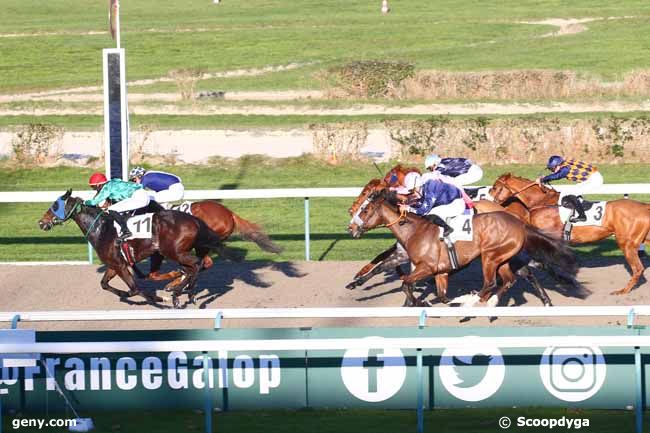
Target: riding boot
x,y
572,202
447,230
121,220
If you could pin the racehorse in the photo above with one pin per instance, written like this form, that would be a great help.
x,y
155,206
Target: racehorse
x,y
628,220
224,222
174,235
395,256
498,238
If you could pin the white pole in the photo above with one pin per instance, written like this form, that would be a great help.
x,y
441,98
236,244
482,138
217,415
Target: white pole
x,y
117,23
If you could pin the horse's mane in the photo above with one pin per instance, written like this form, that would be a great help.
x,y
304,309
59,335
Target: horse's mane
x,y
512,176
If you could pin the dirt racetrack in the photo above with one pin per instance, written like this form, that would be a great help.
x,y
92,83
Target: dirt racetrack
x,y
299,284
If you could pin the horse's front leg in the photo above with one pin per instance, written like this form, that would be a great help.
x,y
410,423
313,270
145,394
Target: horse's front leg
x,y
392,262
420,272
125,274
108,276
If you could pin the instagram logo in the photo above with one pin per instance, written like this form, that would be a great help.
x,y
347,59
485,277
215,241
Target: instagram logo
x,y
573,373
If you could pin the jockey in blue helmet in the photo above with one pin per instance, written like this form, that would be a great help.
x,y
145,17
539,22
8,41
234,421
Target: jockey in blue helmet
x,y
587,178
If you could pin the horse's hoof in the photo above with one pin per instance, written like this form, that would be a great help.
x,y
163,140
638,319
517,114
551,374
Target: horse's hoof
x,y
175,302
548,304
351,286
619,292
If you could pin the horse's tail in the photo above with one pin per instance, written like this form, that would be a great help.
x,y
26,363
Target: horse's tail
x,y
548,250
252,232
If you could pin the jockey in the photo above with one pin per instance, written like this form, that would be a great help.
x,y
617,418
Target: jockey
x,y
125,196
437,199
163,187
460,171
587,176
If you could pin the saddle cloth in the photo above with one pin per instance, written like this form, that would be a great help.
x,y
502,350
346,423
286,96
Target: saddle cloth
x,y
595,212
185,207
478,193
141,226
463,228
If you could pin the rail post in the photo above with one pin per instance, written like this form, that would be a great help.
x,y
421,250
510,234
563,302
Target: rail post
x,y
90,254
307,228
420,400
638,406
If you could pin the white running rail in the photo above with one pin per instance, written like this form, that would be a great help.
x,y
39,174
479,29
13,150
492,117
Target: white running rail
x,y
300,313
204,194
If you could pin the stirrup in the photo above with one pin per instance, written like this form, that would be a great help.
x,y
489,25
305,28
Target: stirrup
x,y
578,219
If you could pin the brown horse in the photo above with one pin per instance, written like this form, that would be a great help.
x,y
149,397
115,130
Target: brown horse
x,y
224,222
395,256
174,236
628,220
498,238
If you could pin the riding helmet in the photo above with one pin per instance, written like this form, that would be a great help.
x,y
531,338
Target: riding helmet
x,y
554,161
97,179
431,160
136,172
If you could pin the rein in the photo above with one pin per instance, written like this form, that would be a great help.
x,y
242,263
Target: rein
x,y
99,214
513,194
401,216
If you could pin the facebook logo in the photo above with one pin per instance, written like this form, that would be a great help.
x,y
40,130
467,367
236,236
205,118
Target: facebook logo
x,y
373,375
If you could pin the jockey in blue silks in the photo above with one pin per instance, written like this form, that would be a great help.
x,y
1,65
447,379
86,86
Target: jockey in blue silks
x,y
459,171
162,187
433,198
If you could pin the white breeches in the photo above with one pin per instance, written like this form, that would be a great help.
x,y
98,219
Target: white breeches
x,y
139,199
473,175
453,209
174,193
592,183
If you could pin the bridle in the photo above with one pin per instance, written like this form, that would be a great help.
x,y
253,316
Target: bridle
x,y
359,222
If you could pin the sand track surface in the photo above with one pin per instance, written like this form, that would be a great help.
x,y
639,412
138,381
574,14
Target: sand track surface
x,y
299,284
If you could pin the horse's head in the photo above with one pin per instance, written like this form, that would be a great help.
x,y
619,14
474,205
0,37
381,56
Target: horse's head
x,y
367,217
60,211
525,190
375,185
501,190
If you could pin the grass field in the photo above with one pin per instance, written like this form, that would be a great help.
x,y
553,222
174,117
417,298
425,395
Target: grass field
x,y
283,219
451,35
343,421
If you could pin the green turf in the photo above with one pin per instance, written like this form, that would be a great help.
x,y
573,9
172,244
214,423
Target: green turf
x,y
283,219
247,122
344,421
454,35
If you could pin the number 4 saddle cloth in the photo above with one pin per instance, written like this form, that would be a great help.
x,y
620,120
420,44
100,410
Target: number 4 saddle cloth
x,y
463,228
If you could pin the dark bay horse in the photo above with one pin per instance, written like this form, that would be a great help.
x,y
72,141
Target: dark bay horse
x,y
174,236
498,238
224,222
628,220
